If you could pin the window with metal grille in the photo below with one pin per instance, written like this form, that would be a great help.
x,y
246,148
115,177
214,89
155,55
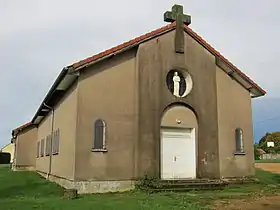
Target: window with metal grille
x,y
38,149
55,144
57,140
48,145
42,147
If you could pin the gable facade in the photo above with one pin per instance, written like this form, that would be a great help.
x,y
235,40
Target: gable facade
x,y
202,99
25,149
112,118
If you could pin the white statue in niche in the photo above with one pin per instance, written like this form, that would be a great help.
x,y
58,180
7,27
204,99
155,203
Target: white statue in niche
x,y
176,83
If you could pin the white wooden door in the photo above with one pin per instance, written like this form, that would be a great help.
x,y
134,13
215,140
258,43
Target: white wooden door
x,y
178,156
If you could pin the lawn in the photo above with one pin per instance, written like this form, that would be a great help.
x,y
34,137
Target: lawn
x,y
27,190
268,161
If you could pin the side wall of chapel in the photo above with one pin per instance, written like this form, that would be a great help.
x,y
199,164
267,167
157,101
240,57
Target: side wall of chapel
x,y
234,111
107,91
65,119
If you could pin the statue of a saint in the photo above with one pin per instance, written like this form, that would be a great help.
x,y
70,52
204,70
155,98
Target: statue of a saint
x,y
176,83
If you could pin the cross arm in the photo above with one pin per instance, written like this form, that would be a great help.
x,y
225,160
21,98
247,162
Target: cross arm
x,y
186,19
168,17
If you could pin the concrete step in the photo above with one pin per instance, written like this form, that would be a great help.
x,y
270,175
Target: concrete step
x,y
193,185
183,185
187,189
191,181
186,180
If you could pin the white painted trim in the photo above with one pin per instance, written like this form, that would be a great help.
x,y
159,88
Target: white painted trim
x,y
189,84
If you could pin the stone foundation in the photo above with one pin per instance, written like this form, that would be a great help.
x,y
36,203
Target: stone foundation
x,y
22,168
88,187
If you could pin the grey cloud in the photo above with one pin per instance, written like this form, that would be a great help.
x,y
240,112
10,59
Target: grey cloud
x,y
39,38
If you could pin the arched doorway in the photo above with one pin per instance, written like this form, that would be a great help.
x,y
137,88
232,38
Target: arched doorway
x,y
178,144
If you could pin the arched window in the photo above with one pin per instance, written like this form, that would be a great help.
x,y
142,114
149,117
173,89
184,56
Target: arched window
x,y
239,140
99,135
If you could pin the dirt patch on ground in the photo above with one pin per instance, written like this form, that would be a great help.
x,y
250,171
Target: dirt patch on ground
x,y
271,167
258,202
267,203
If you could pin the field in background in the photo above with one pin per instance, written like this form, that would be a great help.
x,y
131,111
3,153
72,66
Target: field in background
x,y
27,190
268,161
272,165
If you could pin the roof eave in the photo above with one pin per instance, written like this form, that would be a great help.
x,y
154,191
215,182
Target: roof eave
x,y
228,67
21,128
62,83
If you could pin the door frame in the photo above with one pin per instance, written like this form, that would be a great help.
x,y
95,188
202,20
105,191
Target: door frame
x,y
172,129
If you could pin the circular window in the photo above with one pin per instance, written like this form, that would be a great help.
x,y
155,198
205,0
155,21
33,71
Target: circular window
x,y
179,83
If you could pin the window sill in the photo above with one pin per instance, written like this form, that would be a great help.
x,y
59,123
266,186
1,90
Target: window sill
x,y
239,153
99,150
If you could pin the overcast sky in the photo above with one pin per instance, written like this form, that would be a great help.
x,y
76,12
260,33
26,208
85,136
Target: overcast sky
x,y
39,38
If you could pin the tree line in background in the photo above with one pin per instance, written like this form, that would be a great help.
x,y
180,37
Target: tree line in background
x,y
262,145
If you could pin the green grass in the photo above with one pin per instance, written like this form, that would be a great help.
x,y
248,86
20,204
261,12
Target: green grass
x,y
268,161
27,190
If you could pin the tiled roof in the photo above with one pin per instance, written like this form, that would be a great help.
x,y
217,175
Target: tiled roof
x,y
260,151
137,40
22,127
157,32
219,55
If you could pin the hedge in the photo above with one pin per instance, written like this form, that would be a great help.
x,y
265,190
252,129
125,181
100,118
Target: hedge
x,y
5,158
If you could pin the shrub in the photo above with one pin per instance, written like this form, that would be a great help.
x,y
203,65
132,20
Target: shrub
x,y
5,158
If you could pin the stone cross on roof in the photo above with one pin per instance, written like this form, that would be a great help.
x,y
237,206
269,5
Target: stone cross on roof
x,y
177,15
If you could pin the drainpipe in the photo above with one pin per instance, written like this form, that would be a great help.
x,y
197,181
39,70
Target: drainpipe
x,y
50,162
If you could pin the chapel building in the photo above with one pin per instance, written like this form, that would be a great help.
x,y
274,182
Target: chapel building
x,y
164,104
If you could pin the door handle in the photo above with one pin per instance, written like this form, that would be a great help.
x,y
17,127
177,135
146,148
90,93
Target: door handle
x,y
175,158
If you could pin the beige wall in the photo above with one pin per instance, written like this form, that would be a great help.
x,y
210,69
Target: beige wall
x,y
179,112
10,148
25,150
65,115
107,91
234,110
